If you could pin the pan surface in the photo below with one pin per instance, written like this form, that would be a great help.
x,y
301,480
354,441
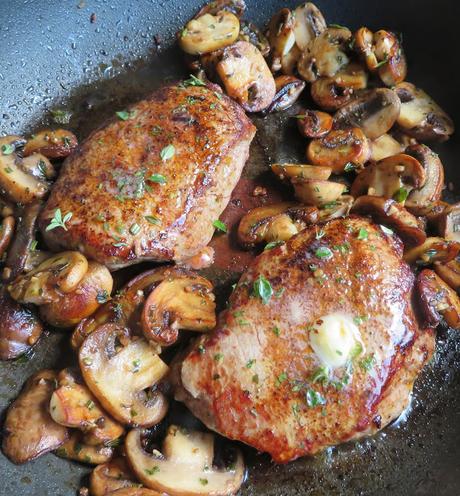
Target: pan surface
x,y
93,57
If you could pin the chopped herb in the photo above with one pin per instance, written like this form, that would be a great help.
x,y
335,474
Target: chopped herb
x,y
124,115
133,412
401,195
329,205
273,244
156,130
262,289
201,349
218,357
276,331
167,152
136,366
7,149
255,379
314,398
382,62
250,363
60,116
218,95
281,378
387,230
362,234
151,219
358,320
157,178
135,229
153,470
90,404
367,363
337,26
319,234
102,296
357,350
58,220
193,81
321,374
203,482
350,167
220,226
323,252
87,361
8,170
33,245
120,244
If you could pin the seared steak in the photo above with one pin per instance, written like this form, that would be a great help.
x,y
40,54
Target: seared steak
x,y
319,344
149,184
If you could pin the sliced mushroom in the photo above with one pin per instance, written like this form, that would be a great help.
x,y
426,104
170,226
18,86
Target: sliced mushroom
x,y
20,328
438,300
20,248
75,449
393,214
339,148
383,53
246,76
58,143
432,250
93,290
421,117
338,208
384,146
29,430
447,223
331,93
430,193
186,465
280,34
317,192
314,124
251,33
73,405
374,112
309,23
126,306
38,166
288,90
181,302
289,61
15,182
324,55
392,177
111,476
236,7
271,223
61,273
122,371
302,171
6,234
450,273
208,33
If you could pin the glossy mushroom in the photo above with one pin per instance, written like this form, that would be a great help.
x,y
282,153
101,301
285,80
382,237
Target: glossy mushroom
x,y
111,476
280,34
433,249
75,449
385,146
57,143
309,23
288,90
314,124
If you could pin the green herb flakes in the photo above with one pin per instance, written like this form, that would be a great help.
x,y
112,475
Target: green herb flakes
x,y
323,252
250,363
102,296
314,398
193,81
262,289
273,244
58,220
135,229
167,152
158,178
220,226
152,471
7,149
362,234
151,219
401,195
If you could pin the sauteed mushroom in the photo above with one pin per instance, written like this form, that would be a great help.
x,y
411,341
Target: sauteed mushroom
x,y
38,166
6,233
433,249
93,290
314,124
20,328
317,192
58,143
420,116
392,177
29,429
236,7
209,32
331,93
374,112
448,222
61,273
339,148
384,146
272,223
289,61
122,371
430,193
280,34
246,76
449,272
75,449
324,55
393,214
302,171
309,23
186,464
111,476
288,90
339,208
438,300
251,33
183,301
73,405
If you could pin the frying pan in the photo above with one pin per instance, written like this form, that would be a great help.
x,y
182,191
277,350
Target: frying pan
x,y
93,57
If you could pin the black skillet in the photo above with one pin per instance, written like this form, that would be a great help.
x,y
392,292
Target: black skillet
x,y
95,56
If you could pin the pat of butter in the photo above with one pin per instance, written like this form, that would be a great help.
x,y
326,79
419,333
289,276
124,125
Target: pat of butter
x,y
333,338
